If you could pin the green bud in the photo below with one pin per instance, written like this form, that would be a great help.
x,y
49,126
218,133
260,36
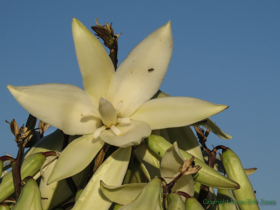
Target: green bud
x,y
192,204
225,198
175,202
30,166
206,175
30,197
4,206
235,171
117,206
79,192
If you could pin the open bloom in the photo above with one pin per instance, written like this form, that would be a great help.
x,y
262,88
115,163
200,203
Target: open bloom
x,y
116,106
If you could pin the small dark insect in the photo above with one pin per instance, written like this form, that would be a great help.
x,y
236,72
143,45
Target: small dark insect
x,y
151,69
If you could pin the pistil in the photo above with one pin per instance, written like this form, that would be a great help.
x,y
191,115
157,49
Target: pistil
x,y
107,112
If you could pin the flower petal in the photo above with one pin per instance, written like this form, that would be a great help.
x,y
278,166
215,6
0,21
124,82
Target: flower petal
x,y
140,75
139,173
56,192
175,202
185,139
131,134
175,111
145,154
207,123
170,165
75,157
149,198
94,62
59,105
123,194
210,125
112,172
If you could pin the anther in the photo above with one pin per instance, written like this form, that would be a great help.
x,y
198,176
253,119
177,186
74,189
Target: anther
x,y
115,130
119,106
88,112
126,120
98,131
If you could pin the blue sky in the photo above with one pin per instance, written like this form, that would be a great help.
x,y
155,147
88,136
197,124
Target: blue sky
x,y
226,52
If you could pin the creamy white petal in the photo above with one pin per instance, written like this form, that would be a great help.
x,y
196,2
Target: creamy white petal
x,y
185,139
112,172
140,75
207,123
185,184
175,111
175,202
170,165
94,62
59,105
123,194
210,125
75,157
143,153
51,191
149,198
131,134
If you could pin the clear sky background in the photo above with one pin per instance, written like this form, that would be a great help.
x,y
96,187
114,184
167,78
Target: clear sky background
x,y
226,52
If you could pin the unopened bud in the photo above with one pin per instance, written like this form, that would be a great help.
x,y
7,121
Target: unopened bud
x,y
187,167
26,133
43,127
192,170
23,130
14,127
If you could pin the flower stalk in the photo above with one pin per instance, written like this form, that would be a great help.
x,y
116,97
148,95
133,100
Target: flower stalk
x,y
106,33
22,136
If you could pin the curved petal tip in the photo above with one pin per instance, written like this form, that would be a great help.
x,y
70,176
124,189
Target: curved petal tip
x,y
12,89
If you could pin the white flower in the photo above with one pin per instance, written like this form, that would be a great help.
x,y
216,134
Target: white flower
x,y
116,106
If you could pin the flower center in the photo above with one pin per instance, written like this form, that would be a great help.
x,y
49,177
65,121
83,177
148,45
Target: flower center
x,y
109,117
107,112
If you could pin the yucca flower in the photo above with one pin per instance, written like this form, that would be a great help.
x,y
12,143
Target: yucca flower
x,y
116,106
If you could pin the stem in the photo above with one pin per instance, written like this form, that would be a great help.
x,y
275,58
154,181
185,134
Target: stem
x,y
106,33
16,165
100,157
114,54
129,169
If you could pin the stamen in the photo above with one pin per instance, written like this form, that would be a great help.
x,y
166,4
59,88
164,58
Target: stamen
x,y
98,131
119,106
126,120
88,112
116,130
